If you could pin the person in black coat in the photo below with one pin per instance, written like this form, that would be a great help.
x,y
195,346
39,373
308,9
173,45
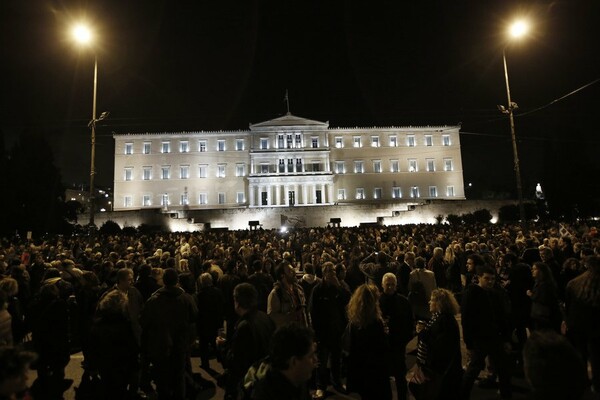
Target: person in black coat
x,y
210,317
545,309
398,315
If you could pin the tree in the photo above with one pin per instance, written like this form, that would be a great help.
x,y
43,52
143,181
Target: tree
x,y
110,228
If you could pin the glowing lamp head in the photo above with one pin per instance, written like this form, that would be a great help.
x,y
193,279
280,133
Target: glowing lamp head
x,y
82,34
518,29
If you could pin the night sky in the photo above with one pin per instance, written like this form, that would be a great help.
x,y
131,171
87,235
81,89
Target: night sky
x,y
211,65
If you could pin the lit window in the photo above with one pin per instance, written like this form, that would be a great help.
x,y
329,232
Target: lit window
x,y
183,200
341,194
221,171
165,172
410,141
394,166
432,191
299,165
374,141
357,141
340,167
202,171
360,193
184,171
298,141
128,201
147,147
164,200
396,192
448,164
414,192
314,142
239,144
446,140
240,170
128,148
221,197
147,173
264,168
166,147
282,165
377,166
128,174
359,167
430,165
428,140
450,191
280,141
339,142
412,165
240,198
220,145
202,198
202,146
264,143
146,201
393,141
377,193
290,165
184,146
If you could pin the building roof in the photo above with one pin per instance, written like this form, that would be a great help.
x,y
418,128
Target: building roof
x,y
289,120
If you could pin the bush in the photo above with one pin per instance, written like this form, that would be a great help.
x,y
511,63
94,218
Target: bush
x,y
110,228
482,216
454,219
129,231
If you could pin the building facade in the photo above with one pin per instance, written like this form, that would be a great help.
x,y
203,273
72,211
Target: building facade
x,y
287,162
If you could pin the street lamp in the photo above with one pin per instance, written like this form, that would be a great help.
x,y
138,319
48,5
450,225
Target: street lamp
x,y
83,35
517,30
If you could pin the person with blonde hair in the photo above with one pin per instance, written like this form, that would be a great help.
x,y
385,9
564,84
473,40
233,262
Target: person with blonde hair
x,y
368,349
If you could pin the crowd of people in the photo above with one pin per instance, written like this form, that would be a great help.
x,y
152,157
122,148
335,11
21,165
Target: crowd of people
x,y
295,314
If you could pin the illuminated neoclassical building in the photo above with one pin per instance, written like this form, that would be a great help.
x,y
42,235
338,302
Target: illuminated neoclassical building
x,y
287,162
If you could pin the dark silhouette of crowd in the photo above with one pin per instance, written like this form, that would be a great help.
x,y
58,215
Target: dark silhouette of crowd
x,y
141,307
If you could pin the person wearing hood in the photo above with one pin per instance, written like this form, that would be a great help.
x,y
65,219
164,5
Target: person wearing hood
x,y
166,321
309,280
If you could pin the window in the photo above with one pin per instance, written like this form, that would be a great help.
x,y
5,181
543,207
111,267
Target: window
x,y
450,191
289,141
428,140
377,166
164,200
393,141
298,141
280,141
165,172
166,147
410,140
147,147
341,194
340,167
202,198
377,193
128,201
240,198
448,164
314,142
360,193
128,148
412,165
374,141
394,166
396,192
202,171
201,146
298,165
264,143
239,144
432,191
290,165
339,142
147,173
281,165
183,200
221,198
264,168
430,165
220,145
357,141
240,170
446,140
221,171
184,146
146,200
359,167
414,192
128,173
184,172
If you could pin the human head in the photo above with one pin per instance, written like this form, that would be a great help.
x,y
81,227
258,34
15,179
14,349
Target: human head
x,y
293,352
553,367
409,258
170,277
419,262
10,286
541,272
285,273
363,307
443,301
473,261
115,302
328,272
487,276
205,280
245,297
124,278
389,283
14,365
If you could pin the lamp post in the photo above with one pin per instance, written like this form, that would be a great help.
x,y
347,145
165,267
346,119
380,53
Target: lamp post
x,y
83,36
517,30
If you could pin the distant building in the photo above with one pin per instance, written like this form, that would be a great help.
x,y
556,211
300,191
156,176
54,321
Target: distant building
x,y
287,162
